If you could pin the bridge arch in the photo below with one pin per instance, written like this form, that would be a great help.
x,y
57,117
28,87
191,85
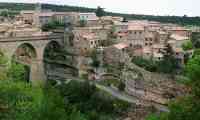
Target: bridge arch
x,y
51,48
25,53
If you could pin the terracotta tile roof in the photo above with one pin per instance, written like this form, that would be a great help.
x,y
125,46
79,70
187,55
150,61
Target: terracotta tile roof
x,y
158,46
178,37
89,35
121,45
134,27
162,32
179,29
146,50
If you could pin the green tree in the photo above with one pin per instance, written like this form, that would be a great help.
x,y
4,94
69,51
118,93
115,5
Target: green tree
x,y
193,73
195,39
188,107
169,64
16,72
82,23
100,12
95,60
187,46
4,14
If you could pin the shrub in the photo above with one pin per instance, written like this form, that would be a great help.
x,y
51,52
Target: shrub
x,y
121,86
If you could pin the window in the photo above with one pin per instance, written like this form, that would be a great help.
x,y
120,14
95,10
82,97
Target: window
x,y
146,44
91,42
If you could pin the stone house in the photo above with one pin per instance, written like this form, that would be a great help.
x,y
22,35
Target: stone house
x,y
162,37
116,54
28,15
181,31
88,16
176,41
62,16
136,35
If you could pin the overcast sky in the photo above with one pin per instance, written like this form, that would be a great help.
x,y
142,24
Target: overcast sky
x,y
155,7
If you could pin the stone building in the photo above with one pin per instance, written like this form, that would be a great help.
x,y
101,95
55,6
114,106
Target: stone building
x,y
88,16
181,31
116,54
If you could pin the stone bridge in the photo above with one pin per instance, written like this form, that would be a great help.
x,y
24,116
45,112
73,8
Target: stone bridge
x,y
12,46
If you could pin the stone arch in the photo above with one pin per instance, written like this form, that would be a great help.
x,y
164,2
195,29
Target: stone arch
x,y
51,47
51,55
25,53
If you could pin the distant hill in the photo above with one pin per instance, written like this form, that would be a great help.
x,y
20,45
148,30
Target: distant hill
x,y
182,20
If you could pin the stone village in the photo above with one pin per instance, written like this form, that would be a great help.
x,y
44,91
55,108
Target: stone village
x,y
89,47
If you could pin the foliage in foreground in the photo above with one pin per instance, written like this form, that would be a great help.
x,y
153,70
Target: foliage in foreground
x,y
186,108
76,101
93,103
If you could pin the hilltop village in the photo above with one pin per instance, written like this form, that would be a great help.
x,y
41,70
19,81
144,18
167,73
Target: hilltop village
x,y
105,50
139,37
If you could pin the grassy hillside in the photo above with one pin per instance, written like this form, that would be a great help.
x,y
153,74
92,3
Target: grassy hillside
x,y
182,20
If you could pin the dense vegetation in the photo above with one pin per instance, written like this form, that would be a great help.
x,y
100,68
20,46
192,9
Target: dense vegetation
x,y
52,25
168,64
182,20
186,107
20,100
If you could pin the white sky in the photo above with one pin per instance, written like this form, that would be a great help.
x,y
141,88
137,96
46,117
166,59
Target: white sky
x,y
155,7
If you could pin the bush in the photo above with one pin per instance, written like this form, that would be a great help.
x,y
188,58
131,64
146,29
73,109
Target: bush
x,y
21,101
82,23
122,86
187,46
149,65
90,101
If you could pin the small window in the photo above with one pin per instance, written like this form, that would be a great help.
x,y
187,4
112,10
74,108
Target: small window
x,y
91,42
131,45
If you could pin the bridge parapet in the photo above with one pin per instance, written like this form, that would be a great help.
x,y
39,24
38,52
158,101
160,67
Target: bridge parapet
x,y
32,38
